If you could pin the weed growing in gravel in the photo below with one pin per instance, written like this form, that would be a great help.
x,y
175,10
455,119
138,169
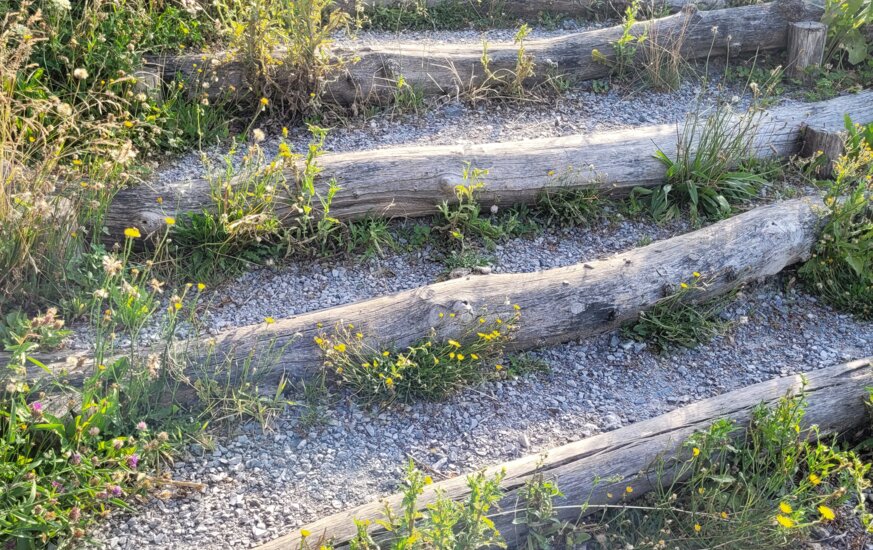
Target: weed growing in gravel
x,y
625,48
250,222
407,98
465,218
445,523
432,368
506,83
841,268
680,319
571,207
284,47
766,488
707,175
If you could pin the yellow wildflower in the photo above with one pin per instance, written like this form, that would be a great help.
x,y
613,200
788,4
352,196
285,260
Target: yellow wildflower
x,y
516,307
454,344
428,480
498,367
132,233
460,357
340,348
695,451
170,220
201,287
269,320
265,101
389,382
826,513
304,533
628,489
386,353
474,357
724,515
359,336
697,527
684,285
785,521
319,341
785,508
696,274
814,479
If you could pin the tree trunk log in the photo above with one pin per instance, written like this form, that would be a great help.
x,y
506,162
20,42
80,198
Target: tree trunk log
x,y
447,69
829,142
557,305
530,9
411,181
836,403
806,46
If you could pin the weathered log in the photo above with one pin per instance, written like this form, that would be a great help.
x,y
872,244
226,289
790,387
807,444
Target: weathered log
x,y
556,305
835,403
450,69
806,46
829,143
411,181
529,9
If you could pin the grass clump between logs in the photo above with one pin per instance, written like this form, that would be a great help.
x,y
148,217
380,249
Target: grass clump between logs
x,y
684,319
432,368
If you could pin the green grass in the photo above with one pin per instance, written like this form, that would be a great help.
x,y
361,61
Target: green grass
x,y
681,319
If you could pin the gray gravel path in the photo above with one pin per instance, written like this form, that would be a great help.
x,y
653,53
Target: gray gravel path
x,y
261,485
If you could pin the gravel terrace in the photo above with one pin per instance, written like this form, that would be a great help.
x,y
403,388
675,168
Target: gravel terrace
x,y
261,485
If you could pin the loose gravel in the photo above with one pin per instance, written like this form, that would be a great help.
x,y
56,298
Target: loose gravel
x,y
262,485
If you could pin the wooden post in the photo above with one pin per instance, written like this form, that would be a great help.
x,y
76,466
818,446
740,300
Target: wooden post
x,y
832,145
806,44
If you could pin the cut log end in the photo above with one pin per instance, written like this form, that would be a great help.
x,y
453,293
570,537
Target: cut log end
x,y
827,144
806,45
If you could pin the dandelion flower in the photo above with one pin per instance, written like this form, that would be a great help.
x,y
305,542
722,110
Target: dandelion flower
x,y
265,101
724,515
340,348
784,521
428,480
684,285
814,479
696,274
498,367
304,533
132,233
695,451
697,527
785,508
826,513
80,73
386,353
201,287
628,489
269,320
169,220
454,343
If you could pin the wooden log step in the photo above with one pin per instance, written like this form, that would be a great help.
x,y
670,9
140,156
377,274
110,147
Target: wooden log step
x,y
456,69
557,305
412,181
836,403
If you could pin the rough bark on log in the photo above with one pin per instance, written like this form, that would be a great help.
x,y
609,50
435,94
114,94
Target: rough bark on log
x,y
836,403
449,69
411,181
532,8
806,46
831,143
557,305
